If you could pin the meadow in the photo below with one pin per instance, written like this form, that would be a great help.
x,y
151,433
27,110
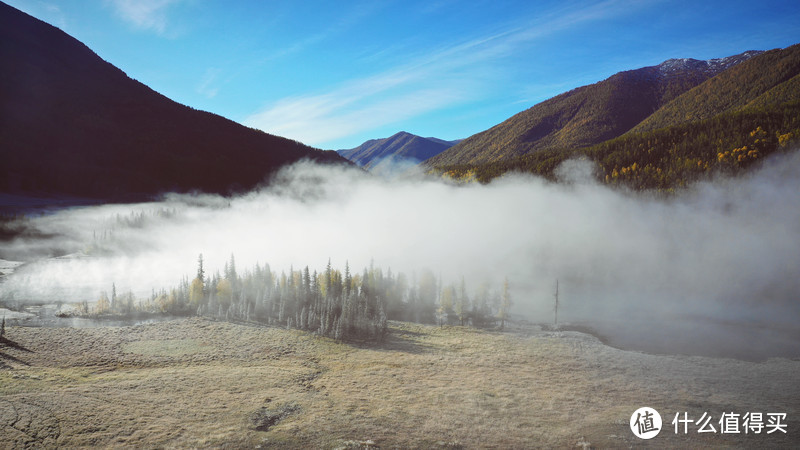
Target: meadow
x,y
196,382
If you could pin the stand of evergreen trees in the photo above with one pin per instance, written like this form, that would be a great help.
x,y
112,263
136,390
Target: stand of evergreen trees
x,y
341,305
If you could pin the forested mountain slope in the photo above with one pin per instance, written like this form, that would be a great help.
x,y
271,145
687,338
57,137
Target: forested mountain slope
x,y
770,78
723,125
71,123
589,114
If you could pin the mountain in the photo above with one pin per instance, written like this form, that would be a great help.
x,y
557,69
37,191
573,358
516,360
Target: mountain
x,y
589,114
726,124
73,124
773,77
442,141
402,146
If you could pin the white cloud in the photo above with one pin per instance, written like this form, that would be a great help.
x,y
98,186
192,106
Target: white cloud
x,y
353,108
144,14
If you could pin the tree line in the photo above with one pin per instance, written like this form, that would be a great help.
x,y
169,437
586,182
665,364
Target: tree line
x,y
339,304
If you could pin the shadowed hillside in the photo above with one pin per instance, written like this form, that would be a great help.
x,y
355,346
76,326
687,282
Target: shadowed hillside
x,y
74,124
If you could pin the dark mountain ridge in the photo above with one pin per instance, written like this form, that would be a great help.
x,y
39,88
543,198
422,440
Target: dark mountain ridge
x,y
73,124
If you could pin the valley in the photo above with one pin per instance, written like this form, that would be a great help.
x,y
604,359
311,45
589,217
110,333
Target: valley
x,y
202,383
608,219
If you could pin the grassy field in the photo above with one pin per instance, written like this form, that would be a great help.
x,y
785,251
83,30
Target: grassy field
x,y
199,383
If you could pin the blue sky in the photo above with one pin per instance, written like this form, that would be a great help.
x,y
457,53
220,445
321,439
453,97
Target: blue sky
x,y
334,74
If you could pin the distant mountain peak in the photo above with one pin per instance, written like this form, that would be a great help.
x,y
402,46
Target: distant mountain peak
x,y
715,65
399,147
675,64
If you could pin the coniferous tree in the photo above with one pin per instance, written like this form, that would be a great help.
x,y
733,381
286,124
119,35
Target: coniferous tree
x,y
328,280
348,280
201,273
306,287
114,305
445,305
462,302
505,304
427,294
232,269
414,313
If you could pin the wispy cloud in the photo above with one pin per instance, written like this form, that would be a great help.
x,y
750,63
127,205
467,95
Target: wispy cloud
x,y
454,73
322,118
144,14
206,86
348,20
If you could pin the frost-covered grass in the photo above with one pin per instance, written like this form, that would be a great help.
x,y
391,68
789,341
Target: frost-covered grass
x,y
199,383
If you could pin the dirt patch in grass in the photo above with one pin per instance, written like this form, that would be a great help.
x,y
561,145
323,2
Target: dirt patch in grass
x,y
200,383
265,418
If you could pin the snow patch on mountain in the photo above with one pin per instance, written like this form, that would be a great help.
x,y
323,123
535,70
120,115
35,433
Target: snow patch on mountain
x,y
717,65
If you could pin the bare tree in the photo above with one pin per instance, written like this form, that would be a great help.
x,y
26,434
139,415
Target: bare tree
x,y
555,306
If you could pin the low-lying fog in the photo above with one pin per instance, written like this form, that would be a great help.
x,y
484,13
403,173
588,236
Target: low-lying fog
x,y
713,270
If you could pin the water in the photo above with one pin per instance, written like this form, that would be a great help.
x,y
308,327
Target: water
x,y
55,316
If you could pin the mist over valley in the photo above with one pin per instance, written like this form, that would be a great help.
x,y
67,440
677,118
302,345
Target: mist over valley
x,y
600,246
706,271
